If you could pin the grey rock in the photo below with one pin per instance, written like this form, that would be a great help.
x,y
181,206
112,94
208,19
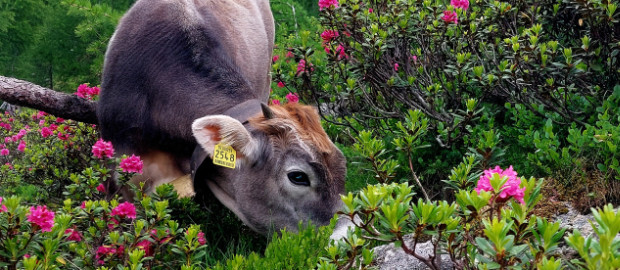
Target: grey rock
x,y
389,257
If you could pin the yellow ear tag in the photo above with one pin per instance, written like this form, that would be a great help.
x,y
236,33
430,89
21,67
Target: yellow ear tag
x,y
225,156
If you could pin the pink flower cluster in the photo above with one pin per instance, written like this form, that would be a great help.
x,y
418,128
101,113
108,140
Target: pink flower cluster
x,y
74,235
105,251
123,210
147,245
132,164
327,4
6,126
2,206
42,218
450,17
509,189
101,188
464,4
201,238
292,98
103,148
329,35
340,52
84,91
301,67
46,132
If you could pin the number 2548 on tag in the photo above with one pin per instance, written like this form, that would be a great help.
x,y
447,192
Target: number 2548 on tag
x,y
224,155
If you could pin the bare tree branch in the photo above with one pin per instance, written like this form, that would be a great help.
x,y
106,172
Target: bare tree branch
x,y
27,94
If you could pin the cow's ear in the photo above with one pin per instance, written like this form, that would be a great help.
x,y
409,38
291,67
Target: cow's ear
x,y
214,129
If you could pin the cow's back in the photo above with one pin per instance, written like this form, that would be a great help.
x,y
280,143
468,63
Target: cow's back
x,y
172,61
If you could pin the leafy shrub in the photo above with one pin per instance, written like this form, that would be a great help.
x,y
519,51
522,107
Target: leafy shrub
x,y
41,153
493,79
491,227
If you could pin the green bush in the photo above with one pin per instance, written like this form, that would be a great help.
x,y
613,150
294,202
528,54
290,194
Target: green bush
x,y
508,83
491,227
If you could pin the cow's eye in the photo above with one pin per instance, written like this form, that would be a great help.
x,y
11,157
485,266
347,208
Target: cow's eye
x,y
299,178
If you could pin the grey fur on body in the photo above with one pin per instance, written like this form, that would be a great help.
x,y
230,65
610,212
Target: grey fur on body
x,y
172,70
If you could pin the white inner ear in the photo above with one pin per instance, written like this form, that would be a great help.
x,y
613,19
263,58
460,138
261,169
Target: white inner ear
x,y
213,129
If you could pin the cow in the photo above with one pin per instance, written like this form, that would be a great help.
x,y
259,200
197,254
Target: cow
x,y
184,76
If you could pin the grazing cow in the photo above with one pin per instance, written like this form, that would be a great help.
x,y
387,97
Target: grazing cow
x,y
182,76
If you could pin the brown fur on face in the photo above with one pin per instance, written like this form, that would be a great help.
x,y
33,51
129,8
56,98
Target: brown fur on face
x,y
294,119
305,121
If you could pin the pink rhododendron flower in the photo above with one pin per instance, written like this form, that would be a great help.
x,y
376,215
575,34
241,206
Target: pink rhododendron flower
x,y
123,210
74,235
22,146
113,223
60,120
327,4
281,84
2,206
42,122
370,10
4,152
94,91
42,218
41,114
301,67
26,256
132,164
289,54
341,53
83,205
6,126
275,102
292,98
104,251
8,139
53,127
84,91
146,246
395,66
450,17
275,58
201,238
101,188
46,132
103,148
63,136
329,35
464,4
509,189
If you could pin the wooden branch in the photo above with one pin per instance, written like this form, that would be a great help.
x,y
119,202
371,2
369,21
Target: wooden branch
x,y
27,94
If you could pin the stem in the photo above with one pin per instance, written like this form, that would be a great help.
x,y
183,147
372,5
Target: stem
x,y
412,252
415,177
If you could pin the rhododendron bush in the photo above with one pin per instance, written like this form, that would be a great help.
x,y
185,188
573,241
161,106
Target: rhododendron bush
x,y
528,84
41,153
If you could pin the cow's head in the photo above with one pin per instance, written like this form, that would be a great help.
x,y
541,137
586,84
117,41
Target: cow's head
x,y
287,168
